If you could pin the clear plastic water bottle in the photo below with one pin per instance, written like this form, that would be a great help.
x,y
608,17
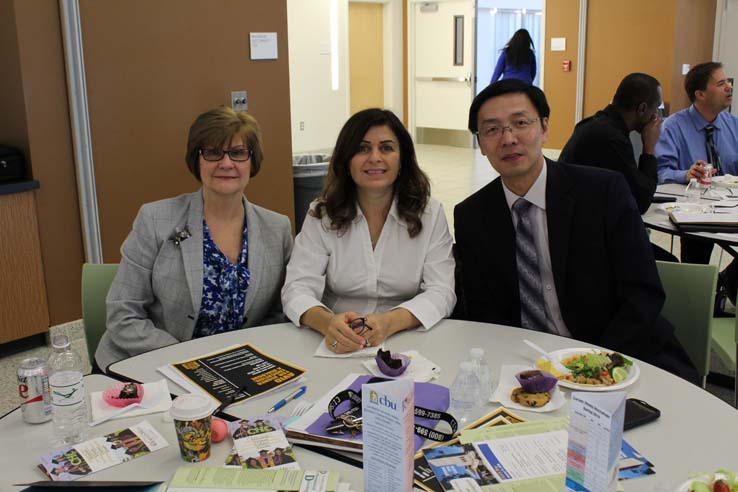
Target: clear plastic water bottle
x,y
68,402
465,394
692,191
483,372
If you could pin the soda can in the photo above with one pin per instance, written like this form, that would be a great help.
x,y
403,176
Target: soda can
x,y
33,389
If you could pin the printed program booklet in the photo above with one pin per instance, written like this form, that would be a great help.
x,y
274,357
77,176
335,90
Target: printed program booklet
x,y
221,374
259,443
97,454
214,479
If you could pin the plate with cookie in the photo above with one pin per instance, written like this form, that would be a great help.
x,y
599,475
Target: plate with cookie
x,y
520,386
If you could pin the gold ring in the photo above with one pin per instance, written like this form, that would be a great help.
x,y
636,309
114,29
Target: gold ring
x,y
334,344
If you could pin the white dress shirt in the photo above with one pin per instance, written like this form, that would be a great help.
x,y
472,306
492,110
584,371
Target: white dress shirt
x,y
341,272
537,196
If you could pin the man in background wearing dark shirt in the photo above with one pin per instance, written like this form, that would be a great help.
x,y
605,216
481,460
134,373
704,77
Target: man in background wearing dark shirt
x,y
603,140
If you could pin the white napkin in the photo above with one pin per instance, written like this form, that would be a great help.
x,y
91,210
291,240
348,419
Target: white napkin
x,y
324,351
100,409
420,370
508,383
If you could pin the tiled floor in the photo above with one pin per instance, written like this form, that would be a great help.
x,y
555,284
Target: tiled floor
x,y
455,173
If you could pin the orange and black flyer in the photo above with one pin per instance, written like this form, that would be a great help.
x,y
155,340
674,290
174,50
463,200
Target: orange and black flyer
x,y
244,368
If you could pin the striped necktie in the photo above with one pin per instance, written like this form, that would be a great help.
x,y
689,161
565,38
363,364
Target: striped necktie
x,y
532,305
713,156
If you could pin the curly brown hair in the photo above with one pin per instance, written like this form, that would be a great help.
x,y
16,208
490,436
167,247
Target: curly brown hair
x,y
411,188
215,128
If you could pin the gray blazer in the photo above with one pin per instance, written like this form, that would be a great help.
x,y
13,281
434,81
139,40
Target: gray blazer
x,y
155,297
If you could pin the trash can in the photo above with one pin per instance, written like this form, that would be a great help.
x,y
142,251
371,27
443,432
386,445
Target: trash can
x,y
309,171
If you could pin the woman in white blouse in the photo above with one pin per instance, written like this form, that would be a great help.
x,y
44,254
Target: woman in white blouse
x,y
374,254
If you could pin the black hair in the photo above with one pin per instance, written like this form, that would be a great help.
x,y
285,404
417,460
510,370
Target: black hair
x,y
698,77
519,49
635,89
508,86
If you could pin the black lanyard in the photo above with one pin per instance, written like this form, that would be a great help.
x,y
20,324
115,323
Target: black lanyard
x,y
351,419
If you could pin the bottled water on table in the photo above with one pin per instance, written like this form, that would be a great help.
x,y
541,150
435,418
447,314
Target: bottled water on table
x,y
692,191
68,403
483,372
465,394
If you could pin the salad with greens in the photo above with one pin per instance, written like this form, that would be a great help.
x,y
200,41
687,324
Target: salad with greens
x,y
597,368
720,481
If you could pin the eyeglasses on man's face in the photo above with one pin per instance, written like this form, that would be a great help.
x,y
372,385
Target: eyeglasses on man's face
x,y
236,155
494,131
359,326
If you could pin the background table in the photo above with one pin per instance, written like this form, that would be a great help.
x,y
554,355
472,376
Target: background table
x,y
24,443
696,431
659,221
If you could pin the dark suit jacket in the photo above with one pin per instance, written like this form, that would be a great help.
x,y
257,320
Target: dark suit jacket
x,y
603,141
606,281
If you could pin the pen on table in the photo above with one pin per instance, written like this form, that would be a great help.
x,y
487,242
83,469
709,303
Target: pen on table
x,y
230,399
288,398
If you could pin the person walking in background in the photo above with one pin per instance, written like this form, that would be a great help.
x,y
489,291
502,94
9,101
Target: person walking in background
x,y
517,59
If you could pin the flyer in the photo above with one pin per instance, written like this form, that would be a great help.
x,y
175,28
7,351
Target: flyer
x,y
595,441
216,479
388,411
260,444
222,374
103,452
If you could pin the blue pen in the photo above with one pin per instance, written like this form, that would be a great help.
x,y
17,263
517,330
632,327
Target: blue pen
x,y
292,396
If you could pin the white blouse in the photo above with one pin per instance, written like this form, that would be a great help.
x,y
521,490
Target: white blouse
x,y
341,272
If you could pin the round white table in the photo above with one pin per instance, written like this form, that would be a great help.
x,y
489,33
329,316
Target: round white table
x,y
696,431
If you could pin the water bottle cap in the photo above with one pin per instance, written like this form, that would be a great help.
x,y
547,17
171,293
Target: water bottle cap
x,y
60,341
477,353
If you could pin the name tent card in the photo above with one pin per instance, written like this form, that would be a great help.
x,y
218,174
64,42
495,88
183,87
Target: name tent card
x,y
595,440
388,428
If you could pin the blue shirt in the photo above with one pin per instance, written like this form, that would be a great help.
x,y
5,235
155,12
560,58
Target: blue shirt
x,y
224,287
526,73
682,143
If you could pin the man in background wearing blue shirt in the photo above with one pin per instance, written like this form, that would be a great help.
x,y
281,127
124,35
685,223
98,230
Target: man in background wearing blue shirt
x,y
692,137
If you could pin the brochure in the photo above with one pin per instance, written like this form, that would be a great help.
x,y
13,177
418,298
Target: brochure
x,y
222,374
260,443
215,479
424,476
311,427
470,466
388,429
103,452
595,441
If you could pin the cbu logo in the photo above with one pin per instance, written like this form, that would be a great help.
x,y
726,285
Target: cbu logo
x,y
383,400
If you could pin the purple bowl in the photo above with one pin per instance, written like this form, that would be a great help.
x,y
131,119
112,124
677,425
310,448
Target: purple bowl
x,y
536,381
385,365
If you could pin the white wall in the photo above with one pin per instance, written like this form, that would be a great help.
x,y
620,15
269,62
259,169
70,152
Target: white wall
x,y
312,100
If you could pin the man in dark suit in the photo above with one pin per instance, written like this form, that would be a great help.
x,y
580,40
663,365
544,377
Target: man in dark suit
x,y
555,248
603,140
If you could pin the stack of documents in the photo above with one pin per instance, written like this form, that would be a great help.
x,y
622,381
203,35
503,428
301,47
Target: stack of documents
x,y
214,479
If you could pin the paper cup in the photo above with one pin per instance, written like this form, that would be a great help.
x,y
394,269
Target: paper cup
x,y
192,416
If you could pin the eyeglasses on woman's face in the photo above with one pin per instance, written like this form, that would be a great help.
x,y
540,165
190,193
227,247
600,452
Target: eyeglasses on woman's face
x,y
236,155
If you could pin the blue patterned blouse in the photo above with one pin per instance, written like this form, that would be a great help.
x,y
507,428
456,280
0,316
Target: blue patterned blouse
x,y
224,287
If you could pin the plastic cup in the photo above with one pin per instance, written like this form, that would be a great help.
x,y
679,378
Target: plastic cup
x,y
192,415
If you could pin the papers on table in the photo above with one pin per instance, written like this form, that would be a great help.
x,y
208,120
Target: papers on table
x,y
260,444
215,479
714,222
99,453
526,454
220,375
